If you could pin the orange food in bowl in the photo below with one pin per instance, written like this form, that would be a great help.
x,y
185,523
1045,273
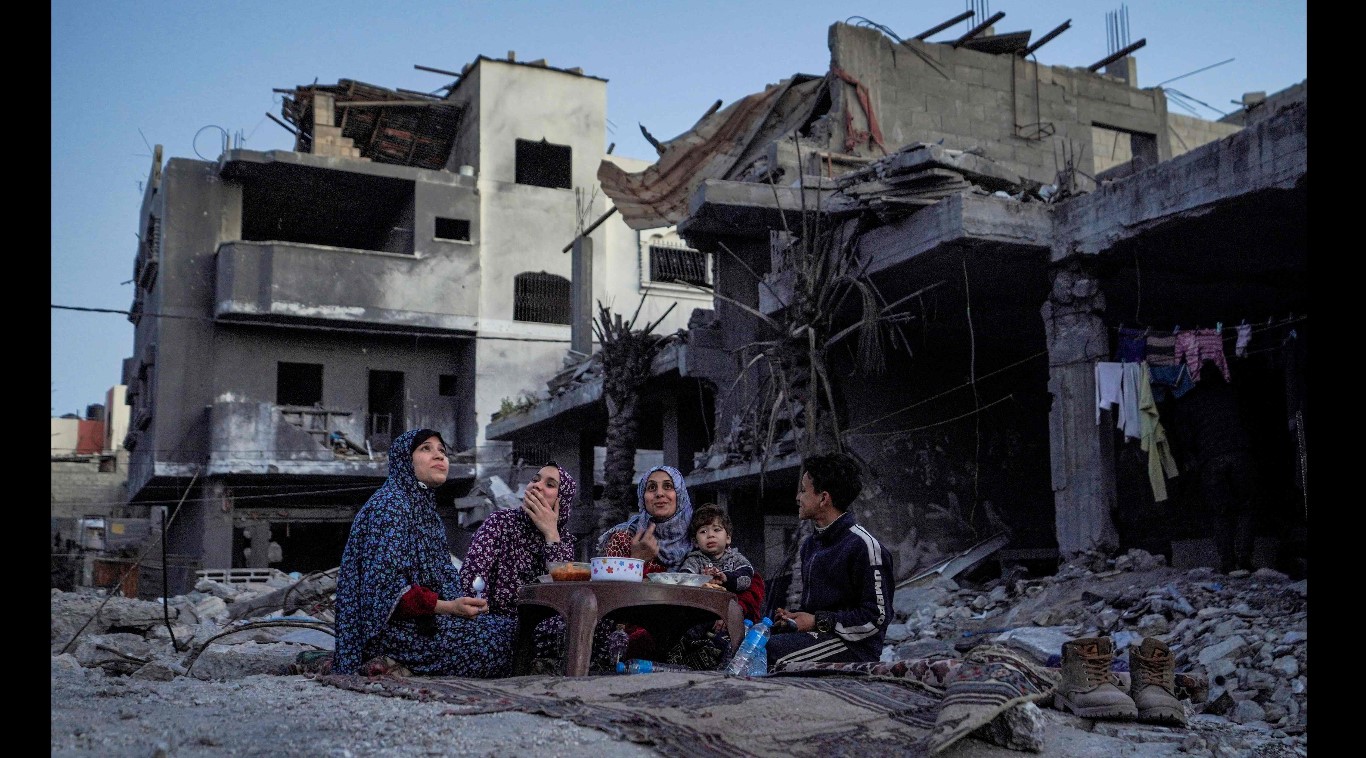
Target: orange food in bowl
x,y
570,572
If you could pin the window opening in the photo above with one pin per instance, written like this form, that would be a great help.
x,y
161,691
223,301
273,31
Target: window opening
x,y
542,164
457,229
299,384
386,400
678,264
445,385
541,297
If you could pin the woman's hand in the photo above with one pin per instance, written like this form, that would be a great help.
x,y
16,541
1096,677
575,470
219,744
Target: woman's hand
x,y
464,607
644,545
545,516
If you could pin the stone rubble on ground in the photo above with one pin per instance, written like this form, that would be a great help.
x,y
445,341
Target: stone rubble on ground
x,y
1242,636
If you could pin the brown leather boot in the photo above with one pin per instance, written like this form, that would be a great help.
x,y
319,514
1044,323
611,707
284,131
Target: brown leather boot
x,y
1089,689
1152,683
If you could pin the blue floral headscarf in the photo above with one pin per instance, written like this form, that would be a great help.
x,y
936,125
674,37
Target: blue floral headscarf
x,y
397,541
672,533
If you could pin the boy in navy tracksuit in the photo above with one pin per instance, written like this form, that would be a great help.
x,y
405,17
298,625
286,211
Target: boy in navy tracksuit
x,y
846,574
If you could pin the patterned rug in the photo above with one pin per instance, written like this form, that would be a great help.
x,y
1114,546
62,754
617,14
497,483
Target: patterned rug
x,y
904,708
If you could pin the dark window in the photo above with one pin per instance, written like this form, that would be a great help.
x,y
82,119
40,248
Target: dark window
x,y
678,264
530,454
387,417
149,255
343,209
445,385
299,384
542,164
457,229
541,297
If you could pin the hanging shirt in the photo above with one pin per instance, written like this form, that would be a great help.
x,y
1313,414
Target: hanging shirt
x,y
1132,346
1200,345
1170,381
1109,384
1153,439
1244,336
1129,396
1161,351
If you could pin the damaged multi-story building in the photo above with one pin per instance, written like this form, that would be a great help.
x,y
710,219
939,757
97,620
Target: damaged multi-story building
x,y
1001,224
407,264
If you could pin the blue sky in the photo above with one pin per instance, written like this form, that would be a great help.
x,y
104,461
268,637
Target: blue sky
x,y
126,75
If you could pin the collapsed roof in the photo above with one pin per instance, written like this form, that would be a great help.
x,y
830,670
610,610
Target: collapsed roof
x,y
416,130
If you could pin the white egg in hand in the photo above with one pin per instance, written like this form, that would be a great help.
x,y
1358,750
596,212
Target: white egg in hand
x,y
479,586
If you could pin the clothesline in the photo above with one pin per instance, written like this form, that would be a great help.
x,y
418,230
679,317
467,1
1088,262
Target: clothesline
x,y
1257,327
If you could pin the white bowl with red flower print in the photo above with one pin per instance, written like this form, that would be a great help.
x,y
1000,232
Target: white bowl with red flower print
x,y
607,569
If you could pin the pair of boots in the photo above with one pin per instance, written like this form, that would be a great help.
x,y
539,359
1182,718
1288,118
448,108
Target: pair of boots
x,y
1090,690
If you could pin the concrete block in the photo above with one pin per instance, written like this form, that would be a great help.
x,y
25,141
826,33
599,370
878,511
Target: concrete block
x,y
974,111
1039,642
1118,93
228,661
967,75
1142,99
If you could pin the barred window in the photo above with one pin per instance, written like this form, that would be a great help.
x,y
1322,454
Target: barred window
x,y
679,264
541,297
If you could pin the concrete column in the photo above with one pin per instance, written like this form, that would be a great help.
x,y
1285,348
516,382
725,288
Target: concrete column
x,y
216,526
259,539
684,434
574,453
1081,451
581,294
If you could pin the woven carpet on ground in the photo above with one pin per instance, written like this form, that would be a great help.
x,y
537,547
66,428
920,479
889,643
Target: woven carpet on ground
x,y
905,708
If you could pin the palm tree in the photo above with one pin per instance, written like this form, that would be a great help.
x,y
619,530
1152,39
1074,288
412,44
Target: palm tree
x,y
626,357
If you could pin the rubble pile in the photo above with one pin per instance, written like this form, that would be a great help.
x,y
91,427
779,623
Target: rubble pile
x,y
217,631
1239,639
919,175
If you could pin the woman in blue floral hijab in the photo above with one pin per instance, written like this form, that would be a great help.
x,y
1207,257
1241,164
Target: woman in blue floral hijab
x,y
398,593
659,531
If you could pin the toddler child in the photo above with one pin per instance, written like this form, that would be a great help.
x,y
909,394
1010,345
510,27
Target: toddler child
x,y
711,533
707,646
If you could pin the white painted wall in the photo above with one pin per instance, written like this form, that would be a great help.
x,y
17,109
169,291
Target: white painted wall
x,y
115,418
625,276
64,433
524,228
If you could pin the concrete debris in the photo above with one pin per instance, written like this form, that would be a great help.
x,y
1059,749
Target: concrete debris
x,y
1239,642
1020,728
129,637
1237,639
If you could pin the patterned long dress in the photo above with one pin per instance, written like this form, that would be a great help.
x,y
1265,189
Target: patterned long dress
x,y
398,541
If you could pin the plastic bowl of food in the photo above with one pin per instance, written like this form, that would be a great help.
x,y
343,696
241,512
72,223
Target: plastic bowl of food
x,y
569,571
683,578
606,569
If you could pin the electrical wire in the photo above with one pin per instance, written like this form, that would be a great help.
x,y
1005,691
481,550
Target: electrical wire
x,y
329,328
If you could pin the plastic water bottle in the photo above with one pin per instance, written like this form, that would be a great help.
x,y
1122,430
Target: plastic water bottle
x,y
751,655
635,666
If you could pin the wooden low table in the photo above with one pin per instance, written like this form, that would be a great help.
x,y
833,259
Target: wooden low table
x,y
584,604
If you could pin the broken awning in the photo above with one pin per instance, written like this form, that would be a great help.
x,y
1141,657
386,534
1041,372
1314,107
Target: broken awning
x,y
713,148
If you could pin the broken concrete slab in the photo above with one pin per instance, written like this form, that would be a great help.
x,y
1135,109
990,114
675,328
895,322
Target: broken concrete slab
x,y
1020,727
1041,643
229,661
